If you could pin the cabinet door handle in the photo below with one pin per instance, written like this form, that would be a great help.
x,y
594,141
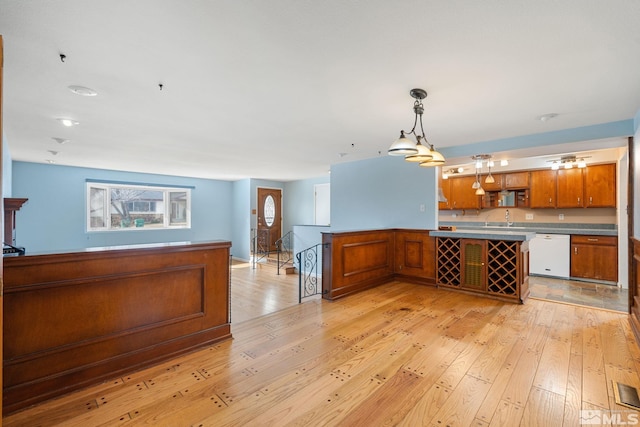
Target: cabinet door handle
x,y
575,250
592,240
590,200
578,201
549,200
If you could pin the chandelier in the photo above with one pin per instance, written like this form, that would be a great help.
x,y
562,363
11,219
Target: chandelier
x,y
421,151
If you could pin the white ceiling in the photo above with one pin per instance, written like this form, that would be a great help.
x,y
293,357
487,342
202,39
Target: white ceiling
x,y
281,89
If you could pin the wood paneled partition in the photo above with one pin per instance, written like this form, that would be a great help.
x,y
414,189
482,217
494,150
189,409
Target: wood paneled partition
x,y
354,261
74,319
634,291
415,256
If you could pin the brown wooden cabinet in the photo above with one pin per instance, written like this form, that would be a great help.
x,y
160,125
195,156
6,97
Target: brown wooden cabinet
x,y
594,257
590,187
496,185
493,267
600,186
543,191
570,188
11,206
445,185
472,258
462,195
459,193
516,180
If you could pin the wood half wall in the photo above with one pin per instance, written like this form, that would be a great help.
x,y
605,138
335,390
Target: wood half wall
x,y
355,261
75,319
634,283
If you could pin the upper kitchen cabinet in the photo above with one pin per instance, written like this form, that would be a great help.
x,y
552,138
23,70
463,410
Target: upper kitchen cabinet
x,y
462,195
590,187
496,185
516,180
570,188
543,192
600,186
445,185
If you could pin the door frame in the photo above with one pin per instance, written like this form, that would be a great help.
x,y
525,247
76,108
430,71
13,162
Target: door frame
x,y
257,201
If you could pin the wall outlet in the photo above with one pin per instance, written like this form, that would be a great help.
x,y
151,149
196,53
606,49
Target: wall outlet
x,y
422,208
528,216
561,217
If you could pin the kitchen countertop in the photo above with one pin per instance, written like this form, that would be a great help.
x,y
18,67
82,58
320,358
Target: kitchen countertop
x,y
509,234
542,228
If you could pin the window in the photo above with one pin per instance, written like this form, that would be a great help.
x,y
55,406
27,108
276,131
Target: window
x,y
126,207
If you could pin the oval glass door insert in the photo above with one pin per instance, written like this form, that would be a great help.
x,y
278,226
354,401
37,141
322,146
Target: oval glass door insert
x,y
269,210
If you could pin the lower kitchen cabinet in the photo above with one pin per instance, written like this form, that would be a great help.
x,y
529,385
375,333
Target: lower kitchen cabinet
x,y
473,264
594,257
494,267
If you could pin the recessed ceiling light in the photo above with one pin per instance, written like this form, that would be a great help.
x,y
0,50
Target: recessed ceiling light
x,y
50,161
83,91
68,122
547,117
60,140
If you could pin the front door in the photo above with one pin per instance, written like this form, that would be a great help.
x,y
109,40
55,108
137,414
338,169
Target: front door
x,y
270,216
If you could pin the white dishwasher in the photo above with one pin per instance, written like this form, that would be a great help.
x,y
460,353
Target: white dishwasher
x,y
550,255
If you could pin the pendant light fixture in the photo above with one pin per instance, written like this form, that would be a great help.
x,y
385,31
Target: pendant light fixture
x,y
421,151
569,162
489,179
478,159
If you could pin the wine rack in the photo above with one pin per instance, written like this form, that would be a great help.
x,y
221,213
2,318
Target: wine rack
x,y
502,262
490,267
448,262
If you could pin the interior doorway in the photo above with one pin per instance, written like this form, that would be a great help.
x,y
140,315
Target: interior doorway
x,y
322,204
269,217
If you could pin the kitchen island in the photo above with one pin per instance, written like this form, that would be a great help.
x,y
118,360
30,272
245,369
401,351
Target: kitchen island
x,y
491,262
77,318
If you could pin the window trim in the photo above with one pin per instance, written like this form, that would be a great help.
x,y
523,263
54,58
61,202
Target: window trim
x,y
166,190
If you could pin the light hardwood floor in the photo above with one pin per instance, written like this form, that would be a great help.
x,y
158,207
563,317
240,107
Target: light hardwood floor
x,y
399,354
260,291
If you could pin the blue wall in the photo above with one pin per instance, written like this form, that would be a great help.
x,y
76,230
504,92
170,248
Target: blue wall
x,y
54,217
299,208
384,192
621,128
241,222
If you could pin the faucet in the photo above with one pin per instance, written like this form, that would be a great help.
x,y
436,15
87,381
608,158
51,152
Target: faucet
x,y
506,218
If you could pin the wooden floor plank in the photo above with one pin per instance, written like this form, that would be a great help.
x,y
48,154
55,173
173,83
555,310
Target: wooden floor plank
x,y
463,403
519,385
499,384
553,367
507,414
543,409
573,394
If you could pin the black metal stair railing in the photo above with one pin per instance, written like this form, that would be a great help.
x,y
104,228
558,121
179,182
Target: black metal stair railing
x,y
284,247
308,272
260,245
